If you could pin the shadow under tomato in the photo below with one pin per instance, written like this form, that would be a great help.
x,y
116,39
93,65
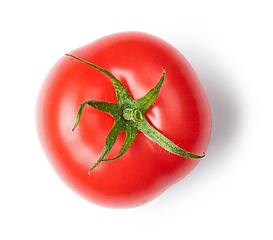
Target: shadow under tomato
x,y
227,112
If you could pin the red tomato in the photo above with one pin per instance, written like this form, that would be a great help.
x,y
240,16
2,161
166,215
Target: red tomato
x,y
181,112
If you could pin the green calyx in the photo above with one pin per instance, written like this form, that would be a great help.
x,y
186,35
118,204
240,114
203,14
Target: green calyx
x,y
129,117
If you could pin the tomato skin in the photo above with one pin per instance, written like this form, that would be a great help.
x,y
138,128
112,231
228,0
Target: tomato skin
x,y
181,112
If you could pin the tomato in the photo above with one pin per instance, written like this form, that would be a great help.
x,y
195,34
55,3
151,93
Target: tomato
x,y
181,113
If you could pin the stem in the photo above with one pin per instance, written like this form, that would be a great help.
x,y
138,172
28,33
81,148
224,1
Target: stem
x,y
132,114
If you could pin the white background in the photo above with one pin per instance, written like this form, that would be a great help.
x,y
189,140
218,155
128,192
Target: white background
x,y
228,195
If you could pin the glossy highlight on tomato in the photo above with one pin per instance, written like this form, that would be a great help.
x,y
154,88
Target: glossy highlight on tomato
x,y
180,112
